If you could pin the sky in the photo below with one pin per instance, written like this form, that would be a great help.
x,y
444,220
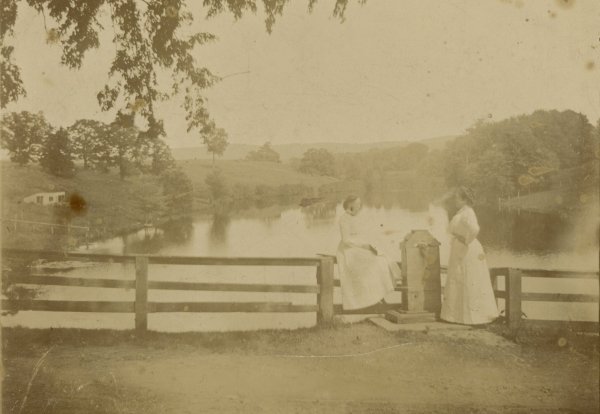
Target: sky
x,y
392,71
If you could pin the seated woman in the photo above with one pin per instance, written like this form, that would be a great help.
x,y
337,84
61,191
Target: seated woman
x,y
468,294
365,276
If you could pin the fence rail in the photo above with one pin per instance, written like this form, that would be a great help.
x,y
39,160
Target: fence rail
x,y
323,289
514,295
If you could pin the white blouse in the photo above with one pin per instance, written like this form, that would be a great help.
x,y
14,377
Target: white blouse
x,y
464,223
350,229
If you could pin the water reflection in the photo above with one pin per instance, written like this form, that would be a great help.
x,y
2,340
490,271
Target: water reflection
x,y
534,232
178,231
152,240
411,200
320,213
511,239
219,227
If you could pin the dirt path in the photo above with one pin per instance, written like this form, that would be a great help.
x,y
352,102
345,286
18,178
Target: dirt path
x,y
358,369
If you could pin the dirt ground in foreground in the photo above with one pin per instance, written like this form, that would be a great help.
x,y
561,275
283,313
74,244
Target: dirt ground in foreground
x,y
356,368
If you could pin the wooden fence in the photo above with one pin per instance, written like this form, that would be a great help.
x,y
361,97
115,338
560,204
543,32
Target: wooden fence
x,y
324,287
514,296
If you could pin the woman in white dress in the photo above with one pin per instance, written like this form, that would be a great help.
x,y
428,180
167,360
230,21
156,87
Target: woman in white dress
x,y
365,276
468,294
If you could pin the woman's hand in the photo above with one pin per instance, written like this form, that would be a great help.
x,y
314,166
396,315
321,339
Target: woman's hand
x,y
370,248
460,238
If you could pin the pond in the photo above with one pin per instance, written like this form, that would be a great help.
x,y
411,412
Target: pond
x,y
510,240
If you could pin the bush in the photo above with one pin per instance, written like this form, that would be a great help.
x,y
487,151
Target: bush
x,y
217,186
178,191
57,156
318,162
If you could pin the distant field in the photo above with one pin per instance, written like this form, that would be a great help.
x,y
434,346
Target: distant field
x,y
237,151
251,173
114,205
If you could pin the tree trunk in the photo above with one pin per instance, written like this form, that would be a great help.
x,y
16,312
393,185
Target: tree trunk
x,y
121,168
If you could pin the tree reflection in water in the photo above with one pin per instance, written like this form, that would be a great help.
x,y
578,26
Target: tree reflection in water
x,y
321,212
219,227
172,232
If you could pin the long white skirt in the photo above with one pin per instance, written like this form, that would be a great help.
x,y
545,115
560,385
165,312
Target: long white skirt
x,y
364,277
468,294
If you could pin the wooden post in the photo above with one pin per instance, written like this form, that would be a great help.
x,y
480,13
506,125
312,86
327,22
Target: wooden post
x,y
141,294
325,296
494,280
513,298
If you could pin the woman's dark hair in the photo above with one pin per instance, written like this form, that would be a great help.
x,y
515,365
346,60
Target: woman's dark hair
x,y
348,201
466,194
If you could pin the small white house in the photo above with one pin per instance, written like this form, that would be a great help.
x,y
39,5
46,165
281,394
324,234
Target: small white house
x,y
46,199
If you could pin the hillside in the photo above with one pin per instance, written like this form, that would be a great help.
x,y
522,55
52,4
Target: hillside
x,y
570,191
251,173
113,205
295,150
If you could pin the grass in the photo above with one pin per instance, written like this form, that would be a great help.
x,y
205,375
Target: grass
x,y
251,173
559,201
357,337
572,190
114,206
553,336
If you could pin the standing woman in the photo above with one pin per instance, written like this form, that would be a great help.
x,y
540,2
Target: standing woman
x,y
365,275
468,294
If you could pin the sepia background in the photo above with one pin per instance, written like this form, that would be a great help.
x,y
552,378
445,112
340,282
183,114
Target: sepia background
x,y
245,142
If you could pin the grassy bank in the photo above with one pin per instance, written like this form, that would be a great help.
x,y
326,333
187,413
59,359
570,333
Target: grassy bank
x,y
113,206
564,202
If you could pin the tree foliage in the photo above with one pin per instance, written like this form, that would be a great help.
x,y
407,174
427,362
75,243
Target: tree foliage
x,y
161,157
149,37
317,161
215,139
56,157
264,153
23,134
88,141
121,136
499,159
217,186
178,193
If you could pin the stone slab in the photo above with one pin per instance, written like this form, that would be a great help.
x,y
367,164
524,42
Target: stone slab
x,y
417,326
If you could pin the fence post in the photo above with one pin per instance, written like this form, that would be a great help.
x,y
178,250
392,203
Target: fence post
x,y
325,296
494,280
513,298
141,293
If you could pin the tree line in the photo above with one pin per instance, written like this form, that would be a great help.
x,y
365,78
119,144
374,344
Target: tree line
x,y
525,153
29,138
540,151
